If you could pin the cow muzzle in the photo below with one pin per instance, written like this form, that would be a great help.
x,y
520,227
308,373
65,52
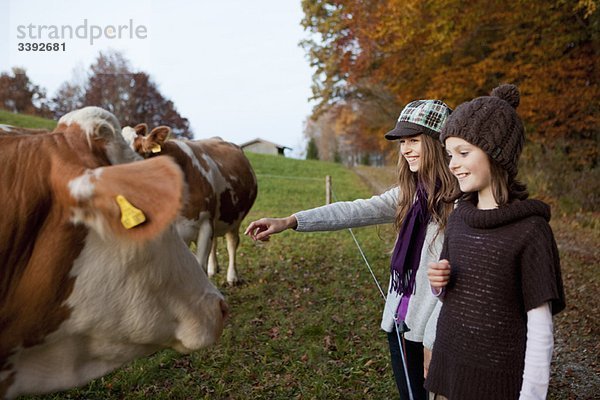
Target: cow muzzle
x,y
204,327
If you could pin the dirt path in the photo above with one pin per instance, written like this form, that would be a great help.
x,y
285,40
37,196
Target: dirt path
x,y
576,359
378,179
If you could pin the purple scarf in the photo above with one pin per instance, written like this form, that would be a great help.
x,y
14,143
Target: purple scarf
x,y
407,252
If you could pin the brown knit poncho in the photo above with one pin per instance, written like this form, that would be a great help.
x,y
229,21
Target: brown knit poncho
x,y
504,263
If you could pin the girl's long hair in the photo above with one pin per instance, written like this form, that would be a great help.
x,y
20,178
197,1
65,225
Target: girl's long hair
x,y
435,175
505,188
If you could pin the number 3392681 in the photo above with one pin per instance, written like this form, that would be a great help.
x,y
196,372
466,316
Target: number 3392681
x,y
25,46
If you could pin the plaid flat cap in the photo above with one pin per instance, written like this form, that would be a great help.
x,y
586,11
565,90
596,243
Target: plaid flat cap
x,y
421,116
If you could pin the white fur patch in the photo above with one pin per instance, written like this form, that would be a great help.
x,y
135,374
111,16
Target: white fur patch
x,y
188,151
92,219
218,181
129,135
89,118
82,187
7,128
187,229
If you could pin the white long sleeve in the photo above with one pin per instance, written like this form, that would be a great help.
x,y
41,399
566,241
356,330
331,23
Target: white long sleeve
x,y
380,209
538,353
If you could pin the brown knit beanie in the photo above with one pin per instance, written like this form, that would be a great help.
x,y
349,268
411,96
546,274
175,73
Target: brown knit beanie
x,y
492,124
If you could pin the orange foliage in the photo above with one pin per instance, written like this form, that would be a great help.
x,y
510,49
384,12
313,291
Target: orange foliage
x,y
373,57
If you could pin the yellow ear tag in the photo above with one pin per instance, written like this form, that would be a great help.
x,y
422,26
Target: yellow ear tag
x,y
193,247
156,148
130,216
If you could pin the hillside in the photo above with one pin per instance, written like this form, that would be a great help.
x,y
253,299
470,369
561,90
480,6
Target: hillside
x,y
25,121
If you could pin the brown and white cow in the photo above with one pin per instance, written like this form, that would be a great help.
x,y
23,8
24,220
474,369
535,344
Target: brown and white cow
x,y
84,285
222,189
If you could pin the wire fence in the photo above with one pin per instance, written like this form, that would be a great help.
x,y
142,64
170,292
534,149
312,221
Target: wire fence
x,y
329,194
303,178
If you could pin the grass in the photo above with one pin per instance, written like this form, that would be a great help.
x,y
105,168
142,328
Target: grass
x,y
305,321
25,121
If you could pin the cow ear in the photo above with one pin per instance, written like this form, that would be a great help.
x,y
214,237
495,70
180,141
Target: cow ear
x,y
135,201
141,129
160,134
152,143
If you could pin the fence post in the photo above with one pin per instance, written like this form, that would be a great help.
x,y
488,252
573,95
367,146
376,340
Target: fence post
x,y
327,189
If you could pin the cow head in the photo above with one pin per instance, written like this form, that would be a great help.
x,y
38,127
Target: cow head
x,y
93,273
144,143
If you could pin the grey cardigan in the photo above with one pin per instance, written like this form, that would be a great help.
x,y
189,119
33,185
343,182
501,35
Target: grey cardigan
x,y
424,307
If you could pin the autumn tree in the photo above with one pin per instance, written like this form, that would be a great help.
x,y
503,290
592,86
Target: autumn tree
x,y
339,135
132,96
69,97
19,94
373,57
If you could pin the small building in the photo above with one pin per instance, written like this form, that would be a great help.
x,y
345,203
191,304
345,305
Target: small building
x,y
264,147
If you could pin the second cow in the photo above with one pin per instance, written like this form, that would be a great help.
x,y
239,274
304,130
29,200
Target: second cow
x,y
222,189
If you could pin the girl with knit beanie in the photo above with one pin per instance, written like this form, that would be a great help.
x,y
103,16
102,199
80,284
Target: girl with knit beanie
x,y
416,206
499,273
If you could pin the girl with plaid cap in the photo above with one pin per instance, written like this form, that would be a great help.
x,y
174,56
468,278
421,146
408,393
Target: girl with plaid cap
x,y
416,206
500,270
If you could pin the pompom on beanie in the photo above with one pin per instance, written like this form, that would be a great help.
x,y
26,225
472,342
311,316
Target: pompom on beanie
x,y
492,124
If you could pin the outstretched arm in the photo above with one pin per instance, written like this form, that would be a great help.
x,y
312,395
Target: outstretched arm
x,y
378,209
263,228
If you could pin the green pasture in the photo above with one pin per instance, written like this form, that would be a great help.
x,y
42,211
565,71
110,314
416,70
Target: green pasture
x,y
305,321
25,121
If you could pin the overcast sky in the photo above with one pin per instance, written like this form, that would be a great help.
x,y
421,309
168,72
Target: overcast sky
x,y
232,67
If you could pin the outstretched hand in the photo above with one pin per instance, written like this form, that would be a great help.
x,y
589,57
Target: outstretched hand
x,y
263,228
438,274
